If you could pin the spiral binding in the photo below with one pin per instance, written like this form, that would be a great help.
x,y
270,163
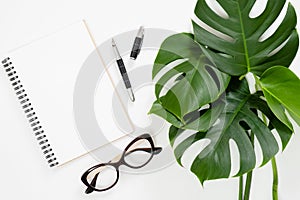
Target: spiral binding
x,y
29,112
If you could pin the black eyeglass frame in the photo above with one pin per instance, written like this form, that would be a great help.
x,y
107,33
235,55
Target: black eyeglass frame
x,y
153,150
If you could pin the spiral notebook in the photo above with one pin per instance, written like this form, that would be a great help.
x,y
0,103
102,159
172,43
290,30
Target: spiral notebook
x,y
43,75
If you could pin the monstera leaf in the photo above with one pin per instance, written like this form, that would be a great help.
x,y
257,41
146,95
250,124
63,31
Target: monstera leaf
x,y
241,48
194,81
202,91
281,88
237,121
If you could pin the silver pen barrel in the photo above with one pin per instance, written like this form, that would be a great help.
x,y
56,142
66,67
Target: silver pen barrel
x,y
137,45
123,71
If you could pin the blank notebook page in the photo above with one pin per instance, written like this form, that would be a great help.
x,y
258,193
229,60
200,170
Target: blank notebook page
x,y
48,68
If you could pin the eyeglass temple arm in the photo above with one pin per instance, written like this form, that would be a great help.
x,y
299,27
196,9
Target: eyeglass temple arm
x,y
93,183
157,150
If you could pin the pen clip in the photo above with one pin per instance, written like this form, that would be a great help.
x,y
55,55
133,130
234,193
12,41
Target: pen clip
x,y
141,44
142,33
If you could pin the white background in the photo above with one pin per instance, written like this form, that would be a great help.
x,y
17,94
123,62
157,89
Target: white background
x,y
23,171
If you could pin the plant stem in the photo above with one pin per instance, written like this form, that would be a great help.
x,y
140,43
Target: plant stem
x,y
242,77
275,179
248,186
274,164
275,171
241,187
249,175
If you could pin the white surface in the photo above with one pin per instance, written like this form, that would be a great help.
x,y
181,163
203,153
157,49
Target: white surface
x,y
23,172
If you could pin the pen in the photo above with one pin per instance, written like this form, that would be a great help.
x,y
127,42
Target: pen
x,y
137,43
123,71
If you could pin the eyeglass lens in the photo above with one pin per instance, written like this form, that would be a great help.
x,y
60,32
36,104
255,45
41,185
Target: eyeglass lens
x,y
103,177
140,154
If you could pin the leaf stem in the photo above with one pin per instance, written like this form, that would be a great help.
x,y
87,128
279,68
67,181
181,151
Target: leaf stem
x,y
241,187
274,164
249,175
275,179
257,83
242,77
248,185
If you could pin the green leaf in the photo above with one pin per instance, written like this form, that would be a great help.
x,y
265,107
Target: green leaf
x,y
204,119
242,50
281,88
169,117
239,115
193,79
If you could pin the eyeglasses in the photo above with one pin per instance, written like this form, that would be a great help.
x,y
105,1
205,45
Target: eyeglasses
x,y
137,154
